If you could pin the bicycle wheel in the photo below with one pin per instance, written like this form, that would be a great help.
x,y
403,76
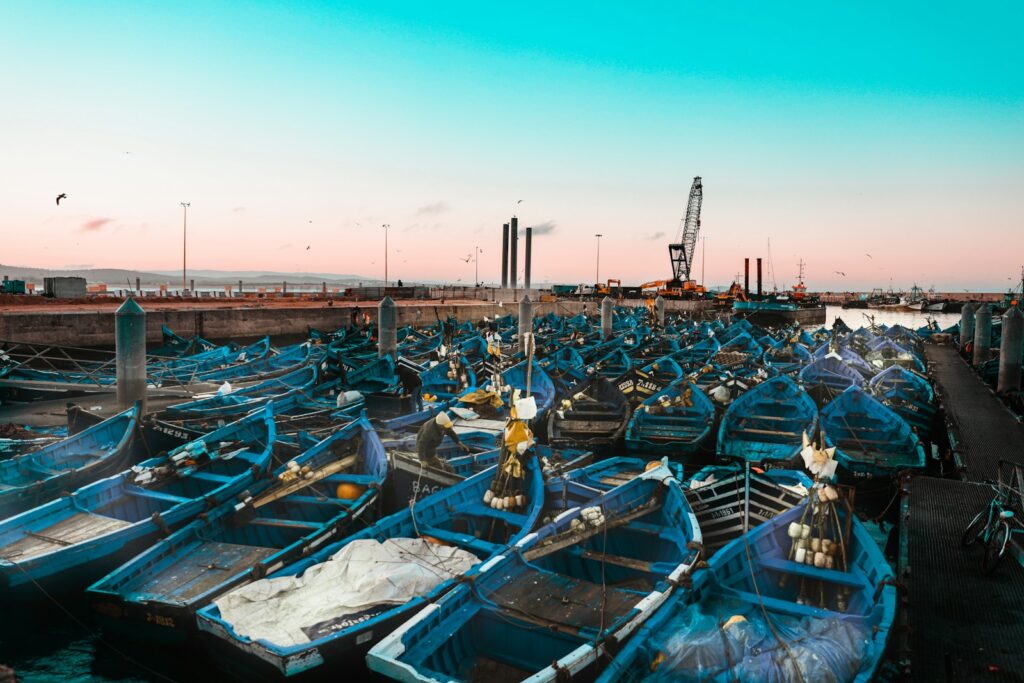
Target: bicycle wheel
x,y
996,546
973,531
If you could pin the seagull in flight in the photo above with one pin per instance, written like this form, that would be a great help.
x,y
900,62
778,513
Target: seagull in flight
x,y
869,255
467,259
839,272
307,247
60,197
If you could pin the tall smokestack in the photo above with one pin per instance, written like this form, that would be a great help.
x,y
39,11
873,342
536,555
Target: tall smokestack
x,y
746,276
528,257
513,278
759,290
504,256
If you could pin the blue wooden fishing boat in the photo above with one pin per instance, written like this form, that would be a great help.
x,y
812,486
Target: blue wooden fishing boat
x,y
849,356
730,500
909,394
699,352
571,485
559,601
310,501
833,372
541,387
887,353
375,376
786,359
767,423
73,540
339,630
241,401
33,478
870,439
594,417
287,360
677,420
757,614
665,370
611,365
564,362
448,378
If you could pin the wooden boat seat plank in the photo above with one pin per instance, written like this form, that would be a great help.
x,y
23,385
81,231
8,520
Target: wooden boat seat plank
x,y
541,596
203,567
71,530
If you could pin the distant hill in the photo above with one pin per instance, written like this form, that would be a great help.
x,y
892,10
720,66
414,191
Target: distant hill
x,y
119,276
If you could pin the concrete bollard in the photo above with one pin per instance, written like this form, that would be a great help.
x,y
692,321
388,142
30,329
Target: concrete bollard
x,y
606,317
191,287
130,342
525,319
1011,351
239,288
966,324
659,311
387,328
982,333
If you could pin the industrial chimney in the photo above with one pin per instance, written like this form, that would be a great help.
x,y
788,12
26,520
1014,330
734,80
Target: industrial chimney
x,y
759,289
528,257
504,256
746,276
513,279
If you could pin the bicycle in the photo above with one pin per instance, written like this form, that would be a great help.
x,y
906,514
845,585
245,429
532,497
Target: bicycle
x,y
992,526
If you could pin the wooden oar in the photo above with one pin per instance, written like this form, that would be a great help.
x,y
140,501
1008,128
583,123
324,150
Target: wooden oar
x,y
318,475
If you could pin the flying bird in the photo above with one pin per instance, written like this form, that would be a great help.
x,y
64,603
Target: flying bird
x,y
467,259
60,197
307,247
839,272
869,255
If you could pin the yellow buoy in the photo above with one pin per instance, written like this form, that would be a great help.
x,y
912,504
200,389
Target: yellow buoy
x,y
651,465
349,491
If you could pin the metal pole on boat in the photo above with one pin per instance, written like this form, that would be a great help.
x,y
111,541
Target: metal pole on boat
x,y
982,333
1010,351
387,328
606,318
746,497
966,324
525,320
659,311
130,343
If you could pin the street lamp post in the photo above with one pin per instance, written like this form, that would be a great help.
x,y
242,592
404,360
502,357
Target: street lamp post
x,y
597,270
386,226
703,257
184,245
476,280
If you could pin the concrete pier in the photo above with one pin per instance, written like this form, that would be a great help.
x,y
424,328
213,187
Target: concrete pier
x,y
387,328
1011,349
130,363
982,333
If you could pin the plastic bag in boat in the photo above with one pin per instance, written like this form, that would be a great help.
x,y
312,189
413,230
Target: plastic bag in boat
x,y
729,640
358,581
347,397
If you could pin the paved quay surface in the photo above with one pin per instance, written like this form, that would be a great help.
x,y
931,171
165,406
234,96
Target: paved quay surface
x,y
962,626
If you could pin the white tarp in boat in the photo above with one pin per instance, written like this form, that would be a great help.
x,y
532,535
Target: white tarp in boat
x,y
362,575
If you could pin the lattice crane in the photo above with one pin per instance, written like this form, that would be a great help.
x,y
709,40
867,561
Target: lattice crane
x,y
681,251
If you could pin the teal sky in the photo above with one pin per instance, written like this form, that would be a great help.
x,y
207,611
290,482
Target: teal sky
x,y
890,129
